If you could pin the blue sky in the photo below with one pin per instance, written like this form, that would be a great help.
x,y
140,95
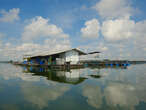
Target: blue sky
x,y
114,27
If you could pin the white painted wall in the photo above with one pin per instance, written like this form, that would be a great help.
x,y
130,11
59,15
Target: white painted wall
x,y
72,56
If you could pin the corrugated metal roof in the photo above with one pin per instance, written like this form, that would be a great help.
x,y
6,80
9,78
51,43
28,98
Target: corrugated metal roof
x,y
56,52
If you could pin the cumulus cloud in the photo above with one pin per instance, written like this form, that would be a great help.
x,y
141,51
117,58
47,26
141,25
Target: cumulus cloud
x,y
10,16
96,46
16,52
40,27
118,29
52,36
25,46
92,29
122,29
139,30
113,8
131,33
39,36
121,36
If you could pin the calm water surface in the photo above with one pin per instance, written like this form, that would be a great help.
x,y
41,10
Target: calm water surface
x,y
80,89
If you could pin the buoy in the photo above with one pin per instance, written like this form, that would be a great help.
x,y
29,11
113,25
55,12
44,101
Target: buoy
x,y
124,64
111,64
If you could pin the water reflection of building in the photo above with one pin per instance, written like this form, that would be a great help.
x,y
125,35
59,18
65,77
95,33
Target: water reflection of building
x,y
71,77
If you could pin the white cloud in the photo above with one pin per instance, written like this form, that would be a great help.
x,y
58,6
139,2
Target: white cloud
x,y
94,46
119,29
131,33
26,46
16,52
38,36
39,28
123,37
92,29
10,16
140,28
124,28
113,8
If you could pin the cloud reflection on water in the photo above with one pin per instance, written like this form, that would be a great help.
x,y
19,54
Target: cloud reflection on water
x,y
40,95
114,89
119,91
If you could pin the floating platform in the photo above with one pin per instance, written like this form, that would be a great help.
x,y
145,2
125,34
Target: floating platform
x,y
106,63
55,67
93,64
